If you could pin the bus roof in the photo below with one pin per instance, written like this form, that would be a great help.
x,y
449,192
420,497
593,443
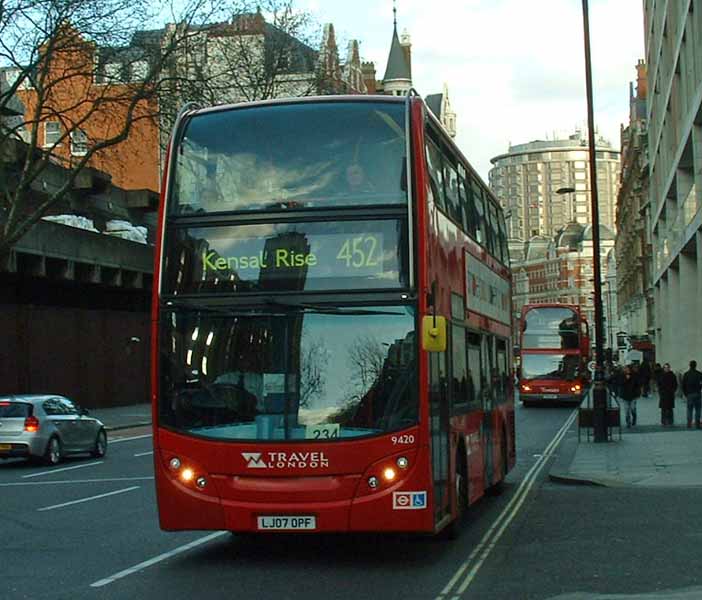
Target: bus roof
x,y
300,100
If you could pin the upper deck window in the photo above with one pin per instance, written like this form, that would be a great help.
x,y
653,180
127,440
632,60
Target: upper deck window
x,y
322,154
551,327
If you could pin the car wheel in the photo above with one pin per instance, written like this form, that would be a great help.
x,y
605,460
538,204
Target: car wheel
x,y
100,448
52,456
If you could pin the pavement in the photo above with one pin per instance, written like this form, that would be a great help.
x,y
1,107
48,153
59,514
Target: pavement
x,y
123,417
647,455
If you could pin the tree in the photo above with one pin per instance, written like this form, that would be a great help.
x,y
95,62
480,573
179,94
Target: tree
x,y
90,73
366,357
255,55
314,361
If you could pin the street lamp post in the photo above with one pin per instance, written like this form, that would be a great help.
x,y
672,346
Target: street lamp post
x,y
608,283
599,391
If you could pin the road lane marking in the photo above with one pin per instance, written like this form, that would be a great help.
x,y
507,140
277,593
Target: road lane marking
x,y
488,542
144,453
459,573
157,559
73,481
92,464
129,439
129,489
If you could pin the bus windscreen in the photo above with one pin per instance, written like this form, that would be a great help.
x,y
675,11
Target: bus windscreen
x,y
550,366
320,154
297,376
286,257
550,328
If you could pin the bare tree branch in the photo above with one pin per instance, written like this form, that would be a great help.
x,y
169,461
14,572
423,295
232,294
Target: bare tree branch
x,y
98,68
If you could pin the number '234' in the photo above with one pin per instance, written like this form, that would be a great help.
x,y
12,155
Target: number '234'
x,y
361,251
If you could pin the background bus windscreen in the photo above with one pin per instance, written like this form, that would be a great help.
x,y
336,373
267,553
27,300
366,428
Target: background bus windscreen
x,y
549,328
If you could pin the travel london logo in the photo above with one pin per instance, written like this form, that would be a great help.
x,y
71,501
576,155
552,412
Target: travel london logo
x,y
285,460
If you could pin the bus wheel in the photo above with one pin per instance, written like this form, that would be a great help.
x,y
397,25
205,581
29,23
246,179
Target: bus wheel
x,y
453,529
499,486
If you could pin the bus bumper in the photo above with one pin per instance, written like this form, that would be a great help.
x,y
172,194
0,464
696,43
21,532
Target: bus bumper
x,y
528,399
337,503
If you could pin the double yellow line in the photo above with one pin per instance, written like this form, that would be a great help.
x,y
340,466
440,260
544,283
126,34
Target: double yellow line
x,y
466,573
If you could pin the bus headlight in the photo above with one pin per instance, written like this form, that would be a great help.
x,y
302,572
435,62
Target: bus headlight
x,y
373,482
175,463
187,475
402,462
389,474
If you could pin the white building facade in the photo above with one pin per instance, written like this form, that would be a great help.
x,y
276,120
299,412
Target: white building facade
x,y
526,178
673,40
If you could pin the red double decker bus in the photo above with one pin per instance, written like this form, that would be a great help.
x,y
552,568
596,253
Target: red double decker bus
x,y
331,321
554,354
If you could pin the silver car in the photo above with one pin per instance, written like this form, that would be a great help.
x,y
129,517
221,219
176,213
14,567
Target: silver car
x,y
48,427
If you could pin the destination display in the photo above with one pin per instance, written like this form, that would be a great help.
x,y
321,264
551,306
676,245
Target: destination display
x,y
287,257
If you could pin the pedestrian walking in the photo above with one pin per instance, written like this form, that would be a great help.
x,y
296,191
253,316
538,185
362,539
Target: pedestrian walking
x,y
657,372
614,379
644,376
629,390
692,388
667,384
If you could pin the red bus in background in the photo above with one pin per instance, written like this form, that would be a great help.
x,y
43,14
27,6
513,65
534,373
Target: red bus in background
x,y
554,354
331,322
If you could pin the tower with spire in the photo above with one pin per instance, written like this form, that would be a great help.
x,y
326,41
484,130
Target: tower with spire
x,y
397,80
398,73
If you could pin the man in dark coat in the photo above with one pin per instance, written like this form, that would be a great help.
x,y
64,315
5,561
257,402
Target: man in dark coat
x,y
657,372
691,387
645,378
667,384
629,391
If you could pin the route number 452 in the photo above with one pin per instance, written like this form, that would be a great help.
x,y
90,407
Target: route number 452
x,y
407,438
361,251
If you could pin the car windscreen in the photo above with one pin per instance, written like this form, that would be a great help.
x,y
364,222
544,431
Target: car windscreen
x,y
12,410
299,155
296,376
550,366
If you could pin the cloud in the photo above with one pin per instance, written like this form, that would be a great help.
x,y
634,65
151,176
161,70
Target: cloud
x,y
515,69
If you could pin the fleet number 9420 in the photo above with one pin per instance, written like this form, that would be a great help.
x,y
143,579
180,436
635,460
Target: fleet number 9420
x,y
406,438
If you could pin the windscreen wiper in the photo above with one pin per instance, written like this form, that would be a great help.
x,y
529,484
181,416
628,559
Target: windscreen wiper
x,y
327,310
219,310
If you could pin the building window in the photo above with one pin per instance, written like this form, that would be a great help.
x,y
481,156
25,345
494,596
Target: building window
x,y
52,133
79,143
139,70
113,72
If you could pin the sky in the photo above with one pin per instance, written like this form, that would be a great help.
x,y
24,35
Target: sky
x,y
515,69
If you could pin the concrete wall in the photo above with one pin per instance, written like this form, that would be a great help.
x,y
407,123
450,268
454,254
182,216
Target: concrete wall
x,y
89,355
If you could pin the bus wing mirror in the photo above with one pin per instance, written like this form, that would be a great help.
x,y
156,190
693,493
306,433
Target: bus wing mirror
x,y
434,334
